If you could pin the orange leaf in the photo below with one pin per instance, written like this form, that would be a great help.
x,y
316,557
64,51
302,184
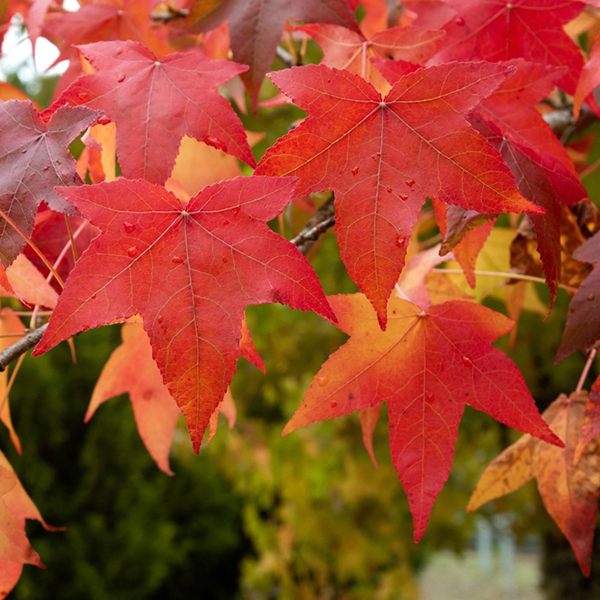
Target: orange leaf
x,y
132,369
427,365
569,491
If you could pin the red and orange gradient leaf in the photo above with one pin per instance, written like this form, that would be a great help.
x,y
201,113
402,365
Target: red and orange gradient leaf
x,y
384,156
190,271
427,365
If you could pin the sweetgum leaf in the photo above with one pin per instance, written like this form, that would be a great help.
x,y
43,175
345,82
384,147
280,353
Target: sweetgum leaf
x,y
498,30
427,365
569,491
190,271
155,102
34,158
384,156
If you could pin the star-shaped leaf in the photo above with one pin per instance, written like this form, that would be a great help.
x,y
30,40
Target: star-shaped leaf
x,y
498,30
569,491
190,271
34,158
384,156
155,102
427,365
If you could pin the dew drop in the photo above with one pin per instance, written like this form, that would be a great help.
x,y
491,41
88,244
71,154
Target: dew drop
x,y
322,380
128,227
160,319
410,183
467,361
429,397
147,395
132,251
120,78
119,51
177,260
93,296
403,196
24,151
459,21
225,260
46,168
591,298
329,81
103,120
389,190
400,241
82,96
355,171
333,403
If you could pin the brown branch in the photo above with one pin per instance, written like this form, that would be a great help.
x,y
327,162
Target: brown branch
x,y
25,343
317,225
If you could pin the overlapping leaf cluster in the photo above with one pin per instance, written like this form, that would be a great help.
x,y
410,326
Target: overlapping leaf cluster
x,y
412,104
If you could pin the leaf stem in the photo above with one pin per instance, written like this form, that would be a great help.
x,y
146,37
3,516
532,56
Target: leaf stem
x,y
33,247
505,275
586,369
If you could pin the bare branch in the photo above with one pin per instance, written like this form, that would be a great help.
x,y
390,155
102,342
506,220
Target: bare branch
x,y
26,343
318,224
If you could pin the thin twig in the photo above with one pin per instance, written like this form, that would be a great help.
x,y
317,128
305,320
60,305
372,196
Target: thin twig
x,y
17,349
586,369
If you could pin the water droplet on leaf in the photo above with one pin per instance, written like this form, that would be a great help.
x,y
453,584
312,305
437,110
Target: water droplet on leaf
x,y
120,78
429,397
355,171
177,260
591,298
333,403
403,196
129,227
93,296
410,183
225,260
160,318
132,251
459,21
103,120
322,380
467,361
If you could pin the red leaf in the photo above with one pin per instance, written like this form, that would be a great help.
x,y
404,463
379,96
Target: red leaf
x,y
426,366
590,78
154,103
583,327
190,271
34,158
570,492
255,28
349,143
498,30
511,108
100,22
545,180
131,369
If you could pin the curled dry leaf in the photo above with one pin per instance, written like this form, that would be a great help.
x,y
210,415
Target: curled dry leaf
x,y
569,491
